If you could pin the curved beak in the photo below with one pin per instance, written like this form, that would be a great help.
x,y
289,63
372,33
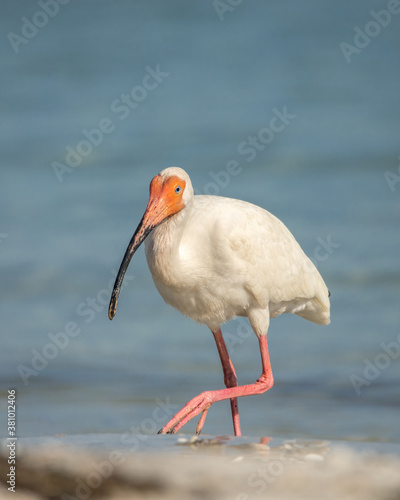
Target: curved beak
x,y
158,209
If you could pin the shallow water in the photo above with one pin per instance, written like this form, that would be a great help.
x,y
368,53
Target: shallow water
x,y
325,175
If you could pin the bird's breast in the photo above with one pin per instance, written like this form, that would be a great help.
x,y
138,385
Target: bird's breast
x,y
187,276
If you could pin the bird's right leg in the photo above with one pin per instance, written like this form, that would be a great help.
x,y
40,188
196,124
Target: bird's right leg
x,y
230,380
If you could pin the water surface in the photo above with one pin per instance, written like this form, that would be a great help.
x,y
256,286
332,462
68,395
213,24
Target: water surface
x,y
323,175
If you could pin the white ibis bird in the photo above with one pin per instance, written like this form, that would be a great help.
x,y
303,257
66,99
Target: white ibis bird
x,y
215,258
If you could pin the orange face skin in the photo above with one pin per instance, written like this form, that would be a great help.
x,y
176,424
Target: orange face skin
x,y
165,199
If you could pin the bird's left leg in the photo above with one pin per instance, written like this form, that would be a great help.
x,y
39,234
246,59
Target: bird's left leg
x,y
202,402
230,380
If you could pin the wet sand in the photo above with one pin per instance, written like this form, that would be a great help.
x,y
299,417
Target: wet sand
x,y
170,467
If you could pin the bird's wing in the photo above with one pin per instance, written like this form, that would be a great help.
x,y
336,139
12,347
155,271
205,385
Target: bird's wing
x,y
273,265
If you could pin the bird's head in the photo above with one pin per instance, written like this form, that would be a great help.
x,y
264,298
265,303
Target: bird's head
x,y
167,197
170,191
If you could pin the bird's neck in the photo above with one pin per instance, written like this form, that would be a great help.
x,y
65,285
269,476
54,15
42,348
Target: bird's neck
x,y
162,249
170,232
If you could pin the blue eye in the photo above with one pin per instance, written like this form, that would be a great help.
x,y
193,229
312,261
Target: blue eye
x,y
178,189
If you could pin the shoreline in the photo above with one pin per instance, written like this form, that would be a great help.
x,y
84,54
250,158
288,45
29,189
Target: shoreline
x,y
182,466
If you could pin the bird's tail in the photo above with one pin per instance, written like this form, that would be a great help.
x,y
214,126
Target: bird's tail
x,y
318,308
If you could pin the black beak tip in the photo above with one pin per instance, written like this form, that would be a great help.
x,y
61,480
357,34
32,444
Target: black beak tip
x,y
112,309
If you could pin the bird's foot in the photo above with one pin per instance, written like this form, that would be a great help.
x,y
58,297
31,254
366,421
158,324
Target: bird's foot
x,y
197,405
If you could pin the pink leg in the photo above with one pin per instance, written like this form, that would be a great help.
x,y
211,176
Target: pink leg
x,y
230,379
203,401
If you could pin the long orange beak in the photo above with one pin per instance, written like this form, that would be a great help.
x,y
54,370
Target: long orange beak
x,y
159,208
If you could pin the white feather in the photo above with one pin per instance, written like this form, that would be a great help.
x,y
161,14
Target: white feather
x,y
219,258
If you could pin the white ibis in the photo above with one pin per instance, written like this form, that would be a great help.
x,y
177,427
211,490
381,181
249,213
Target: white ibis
x,y
215,258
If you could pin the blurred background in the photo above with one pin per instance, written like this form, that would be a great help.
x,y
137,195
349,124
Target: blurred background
x,y
96,98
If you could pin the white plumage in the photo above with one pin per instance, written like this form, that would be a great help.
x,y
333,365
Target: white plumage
x,y
214,258
219,258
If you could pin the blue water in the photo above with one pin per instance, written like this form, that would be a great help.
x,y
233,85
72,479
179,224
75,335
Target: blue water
x,y
217,83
